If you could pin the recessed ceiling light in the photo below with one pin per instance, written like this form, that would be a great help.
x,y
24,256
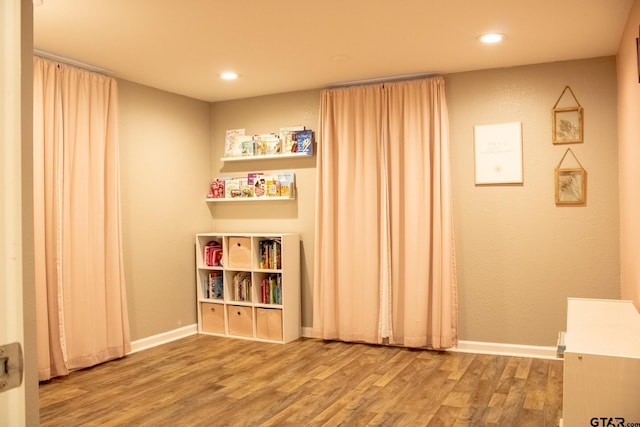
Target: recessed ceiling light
x,y
229,75
491,38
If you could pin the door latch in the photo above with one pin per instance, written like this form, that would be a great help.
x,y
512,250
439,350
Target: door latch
x,y
10,366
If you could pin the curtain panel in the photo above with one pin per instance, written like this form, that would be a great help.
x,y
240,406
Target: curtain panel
x,y
81,298
384,256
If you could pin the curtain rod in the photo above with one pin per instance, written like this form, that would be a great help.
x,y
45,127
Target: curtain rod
x,y
382,80
72,62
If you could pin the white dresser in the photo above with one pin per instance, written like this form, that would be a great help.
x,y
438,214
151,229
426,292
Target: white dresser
x,y
602,363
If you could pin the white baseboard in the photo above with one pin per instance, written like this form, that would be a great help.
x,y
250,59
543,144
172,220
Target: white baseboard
x,y
163,338
519,350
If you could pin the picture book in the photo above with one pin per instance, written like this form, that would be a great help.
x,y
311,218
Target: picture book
x,y
231,142
217,189
256,180
232,188
268,143
288,138
253,176
287,183
272,186
245,189
304,141
246,145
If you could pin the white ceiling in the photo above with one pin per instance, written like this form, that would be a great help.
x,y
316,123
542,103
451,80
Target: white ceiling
x,y
278,46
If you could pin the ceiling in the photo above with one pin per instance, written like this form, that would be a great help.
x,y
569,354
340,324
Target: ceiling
x,y
275,46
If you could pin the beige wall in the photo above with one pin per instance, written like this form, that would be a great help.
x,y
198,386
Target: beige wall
x,y
519,256
629,146
264,115
164,154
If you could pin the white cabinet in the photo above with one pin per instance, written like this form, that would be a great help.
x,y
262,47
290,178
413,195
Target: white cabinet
x,y
601,379
248,285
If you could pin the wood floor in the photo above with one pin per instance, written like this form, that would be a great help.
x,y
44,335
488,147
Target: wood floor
x,y
210,381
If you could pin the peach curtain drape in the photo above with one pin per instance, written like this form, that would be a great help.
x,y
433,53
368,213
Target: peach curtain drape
x,y
384,255
81,299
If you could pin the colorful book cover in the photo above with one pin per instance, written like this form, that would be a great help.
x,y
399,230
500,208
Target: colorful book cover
x,y
256,179
304,140
272,186
274,145
217,190
287,183
246,145
232,188
246,189
288,138
252,177
268,143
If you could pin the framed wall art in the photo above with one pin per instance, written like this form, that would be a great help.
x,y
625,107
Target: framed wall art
x,y
570,183
567,122
498,154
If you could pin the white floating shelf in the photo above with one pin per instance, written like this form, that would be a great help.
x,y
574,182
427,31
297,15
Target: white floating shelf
x,y
265,156
248,199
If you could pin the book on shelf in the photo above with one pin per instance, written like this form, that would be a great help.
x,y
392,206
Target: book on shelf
x,y
232,188
272,186
288,138
212,253
268,143
214,286
217,189
232,141
246,189
253,176
242,286
271,289
287,180
304,141
270,254
247,145
256,179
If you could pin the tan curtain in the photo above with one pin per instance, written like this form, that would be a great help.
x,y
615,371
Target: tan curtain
x,y
81,300
384,258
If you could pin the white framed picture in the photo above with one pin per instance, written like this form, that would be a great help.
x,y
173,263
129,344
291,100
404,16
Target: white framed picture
x,y
498,154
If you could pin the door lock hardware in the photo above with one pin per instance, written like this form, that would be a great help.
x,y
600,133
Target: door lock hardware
x,y
11,367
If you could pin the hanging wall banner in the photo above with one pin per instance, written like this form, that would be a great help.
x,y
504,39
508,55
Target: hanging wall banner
x,y
498,154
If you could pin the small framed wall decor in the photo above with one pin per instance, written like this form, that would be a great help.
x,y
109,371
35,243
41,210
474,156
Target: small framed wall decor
x,y
567,122
498,154
570,184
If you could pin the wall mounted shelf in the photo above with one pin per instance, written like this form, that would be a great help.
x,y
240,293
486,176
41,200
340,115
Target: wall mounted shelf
x,y
247,199
264,157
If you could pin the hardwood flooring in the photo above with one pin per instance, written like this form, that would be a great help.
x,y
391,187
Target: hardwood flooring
x,y
211,381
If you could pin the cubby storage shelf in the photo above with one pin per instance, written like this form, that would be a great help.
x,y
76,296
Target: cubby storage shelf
x,y
253,291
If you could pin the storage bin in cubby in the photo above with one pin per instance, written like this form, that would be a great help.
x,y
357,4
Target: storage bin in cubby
x,y
240,321
212,317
